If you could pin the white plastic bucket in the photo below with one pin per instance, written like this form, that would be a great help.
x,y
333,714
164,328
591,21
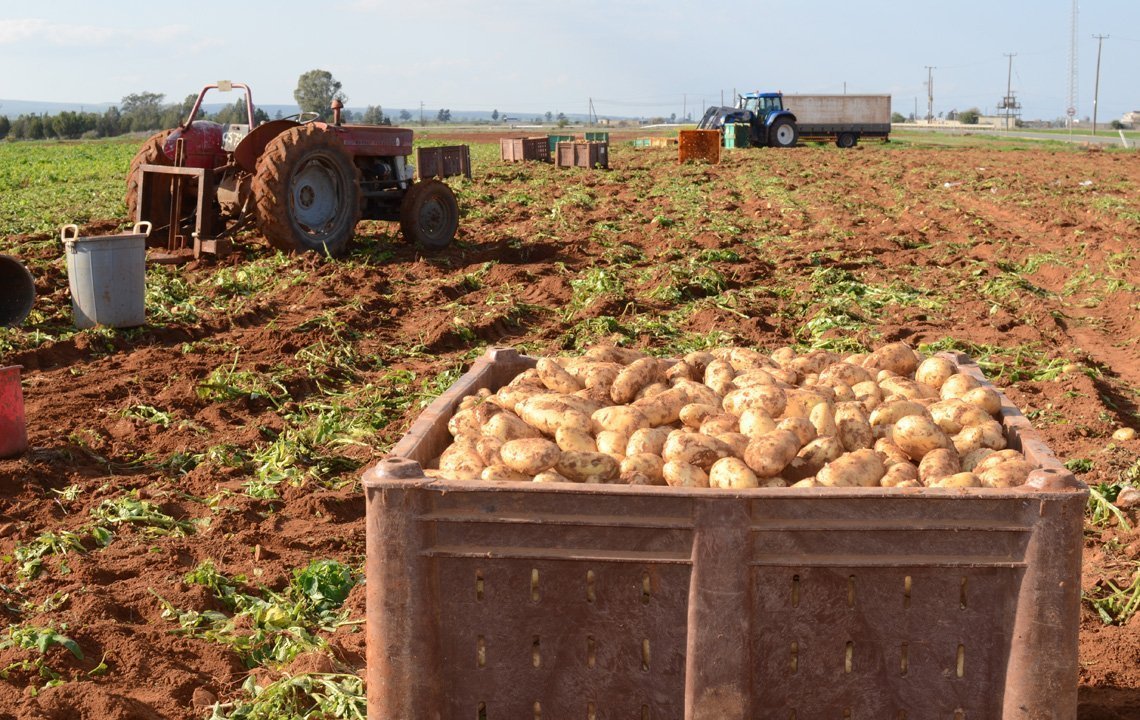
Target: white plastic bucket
x,y
107,276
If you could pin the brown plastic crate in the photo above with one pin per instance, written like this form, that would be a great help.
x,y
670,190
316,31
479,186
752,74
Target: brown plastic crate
x,y
519,149
517,600
698,145
443,161
586,154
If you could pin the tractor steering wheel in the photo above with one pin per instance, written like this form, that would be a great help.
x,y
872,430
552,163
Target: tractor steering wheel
x,y
303,117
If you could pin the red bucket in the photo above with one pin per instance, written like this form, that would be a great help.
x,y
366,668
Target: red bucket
x,y
13,428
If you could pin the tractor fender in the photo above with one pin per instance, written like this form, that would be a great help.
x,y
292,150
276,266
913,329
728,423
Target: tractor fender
x,y
252,145
201,142
773,117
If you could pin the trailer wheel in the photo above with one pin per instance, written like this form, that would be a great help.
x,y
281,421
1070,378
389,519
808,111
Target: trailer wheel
x,y
149,154
429,214
307,191
783,133
846,140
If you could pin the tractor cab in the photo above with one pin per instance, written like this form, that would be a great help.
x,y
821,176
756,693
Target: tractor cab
x,y
762,104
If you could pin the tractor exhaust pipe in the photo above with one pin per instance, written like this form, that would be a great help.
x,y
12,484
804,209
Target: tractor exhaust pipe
x,y
17,292
336,106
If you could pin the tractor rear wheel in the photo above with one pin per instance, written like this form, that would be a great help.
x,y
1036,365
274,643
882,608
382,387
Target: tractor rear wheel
x,y
307,191
429,214
149,154
783,133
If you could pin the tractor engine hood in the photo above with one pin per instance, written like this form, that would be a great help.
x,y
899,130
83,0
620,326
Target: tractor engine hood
x,y
718,116
202,142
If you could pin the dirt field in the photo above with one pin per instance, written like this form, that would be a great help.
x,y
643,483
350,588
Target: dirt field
x,y
211,416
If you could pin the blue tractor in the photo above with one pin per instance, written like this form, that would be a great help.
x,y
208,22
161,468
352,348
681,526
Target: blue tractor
x,y
764,113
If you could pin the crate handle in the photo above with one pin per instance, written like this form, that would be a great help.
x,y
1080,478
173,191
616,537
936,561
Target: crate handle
x,y
142,227
63,233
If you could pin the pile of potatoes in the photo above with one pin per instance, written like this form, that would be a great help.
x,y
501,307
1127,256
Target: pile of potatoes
x,y
736,418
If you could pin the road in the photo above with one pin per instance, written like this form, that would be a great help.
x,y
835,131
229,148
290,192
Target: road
x,y
1105,137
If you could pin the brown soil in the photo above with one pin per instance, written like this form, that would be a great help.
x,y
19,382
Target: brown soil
x,y
887,214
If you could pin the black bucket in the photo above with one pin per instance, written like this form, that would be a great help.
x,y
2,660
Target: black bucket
x,y
17,292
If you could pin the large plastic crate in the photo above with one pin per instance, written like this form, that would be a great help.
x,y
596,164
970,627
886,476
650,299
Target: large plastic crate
x,y
737,135
582,154
520,149
698,145
522,600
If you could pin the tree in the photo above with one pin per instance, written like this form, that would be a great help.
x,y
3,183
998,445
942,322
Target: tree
x,y
562,121
374,115
898,118
969,116
549,116
405,115
444,115
495,115
315,92
69,125
5,126
1115,125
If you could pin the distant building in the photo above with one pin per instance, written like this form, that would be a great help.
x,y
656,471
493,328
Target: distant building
x,y
1130,119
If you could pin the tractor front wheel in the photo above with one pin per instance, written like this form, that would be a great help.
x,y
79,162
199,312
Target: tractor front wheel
x,y
429,214
783,134
307,191
149,154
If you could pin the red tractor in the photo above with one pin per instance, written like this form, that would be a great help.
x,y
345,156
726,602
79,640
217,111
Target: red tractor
x,y
302,182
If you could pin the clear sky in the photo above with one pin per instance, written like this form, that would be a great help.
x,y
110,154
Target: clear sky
x,y
633,57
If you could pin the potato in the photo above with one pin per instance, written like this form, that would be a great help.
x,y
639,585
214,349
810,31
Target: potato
x,y
1010,473
845,373
782,355
811,363
823,420
958,480
802,427
813,456
548,476
958,385
652,466
625,419
719,424
555,377
464,423
635,376
502,473
681,370
736,442
799,402
889,413
612,442
693,414
547,413
970,460
508,426
755,421
805,483
934,371
916,435
599,396
996,458
610,353
768,397
646,440
891,453
694,449
650,390
587,467
769,454
698,393
985,398
488,450
574,440
679,474
743,358
461,461
698,360
599,374
754,376
719,375
937,464
852,427
992,435
897,357
636,478
906,388
731,472
665,408
953,414
967,441
900,475
529,455
861,468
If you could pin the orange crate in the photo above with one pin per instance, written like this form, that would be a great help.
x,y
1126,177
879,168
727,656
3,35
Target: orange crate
x,y
699,145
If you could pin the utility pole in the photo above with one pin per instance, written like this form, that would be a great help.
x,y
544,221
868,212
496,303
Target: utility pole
x,y
1096,86
1071,110
421,113
915,115
1009,102
930,93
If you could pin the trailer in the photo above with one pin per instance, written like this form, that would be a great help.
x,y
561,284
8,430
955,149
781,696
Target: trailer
x,y
779,120
842,119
